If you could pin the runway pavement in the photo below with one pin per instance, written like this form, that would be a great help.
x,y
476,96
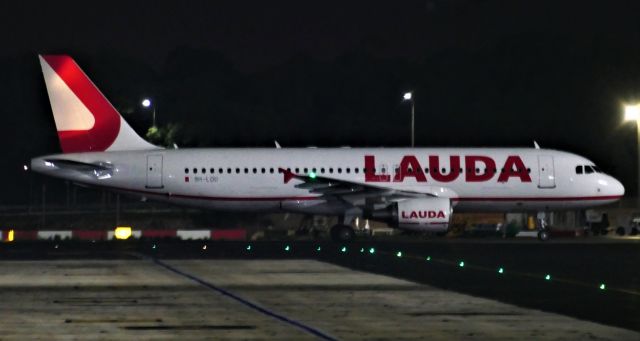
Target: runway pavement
x,y
165,290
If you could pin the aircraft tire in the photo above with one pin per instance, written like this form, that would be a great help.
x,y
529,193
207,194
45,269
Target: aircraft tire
x,y
543,235
342,233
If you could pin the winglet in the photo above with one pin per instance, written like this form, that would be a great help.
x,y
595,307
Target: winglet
x,y
535,145
288,175
277,144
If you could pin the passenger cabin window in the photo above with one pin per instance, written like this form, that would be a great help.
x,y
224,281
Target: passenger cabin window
x,y
578,169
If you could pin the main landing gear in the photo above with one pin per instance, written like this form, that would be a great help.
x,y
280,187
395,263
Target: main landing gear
x,y
342,233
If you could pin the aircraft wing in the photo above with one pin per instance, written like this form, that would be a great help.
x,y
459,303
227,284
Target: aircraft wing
x,y
357,193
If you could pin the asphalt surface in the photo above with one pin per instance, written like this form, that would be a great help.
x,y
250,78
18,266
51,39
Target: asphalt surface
x,y
577,268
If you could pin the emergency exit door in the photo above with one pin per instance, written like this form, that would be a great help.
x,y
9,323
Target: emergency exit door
x,y
546,176
154,171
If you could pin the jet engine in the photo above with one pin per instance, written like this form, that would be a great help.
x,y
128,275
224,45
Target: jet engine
x,y
428,214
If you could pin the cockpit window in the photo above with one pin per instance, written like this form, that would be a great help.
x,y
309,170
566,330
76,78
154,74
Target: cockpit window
x,y
588,169
597,169
578,169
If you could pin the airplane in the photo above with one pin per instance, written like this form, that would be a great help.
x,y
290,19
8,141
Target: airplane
x,y
408,188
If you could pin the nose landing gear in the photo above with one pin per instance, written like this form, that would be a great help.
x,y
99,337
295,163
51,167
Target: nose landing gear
x,y
543,229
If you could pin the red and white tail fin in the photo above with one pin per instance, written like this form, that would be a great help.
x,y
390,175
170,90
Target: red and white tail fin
x,y
85,120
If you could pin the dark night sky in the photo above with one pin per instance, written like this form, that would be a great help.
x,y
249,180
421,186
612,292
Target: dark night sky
x,y
331,73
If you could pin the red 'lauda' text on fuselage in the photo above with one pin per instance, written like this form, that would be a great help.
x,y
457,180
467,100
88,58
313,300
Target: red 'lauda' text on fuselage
x,y
478,168
422,214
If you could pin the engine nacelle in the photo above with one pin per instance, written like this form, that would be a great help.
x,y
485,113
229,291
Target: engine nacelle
x,y
429,214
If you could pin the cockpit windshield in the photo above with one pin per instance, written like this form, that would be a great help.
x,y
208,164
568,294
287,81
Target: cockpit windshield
x,y
587,169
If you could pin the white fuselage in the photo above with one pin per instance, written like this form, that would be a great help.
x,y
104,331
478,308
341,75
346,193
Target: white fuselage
x,y
249,179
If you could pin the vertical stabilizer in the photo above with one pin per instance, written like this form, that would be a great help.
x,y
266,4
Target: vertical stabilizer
x,y
86,121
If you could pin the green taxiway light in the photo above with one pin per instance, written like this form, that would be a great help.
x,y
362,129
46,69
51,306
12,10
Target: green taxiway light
x,y
501,270
602,286
318,249
461,264
399,254
248,247
312,175
372,250
547,277
428,258
154,246
361,250
287,248
344,249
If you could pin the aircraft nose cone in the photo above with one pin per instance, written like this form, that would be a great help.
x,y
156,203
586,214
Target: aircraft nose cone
x,y
617,187
611,186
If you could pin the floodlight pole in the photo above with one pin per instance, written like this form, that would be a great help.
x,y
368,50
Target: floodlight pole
x,y
638,161
408,96
413,123
632,113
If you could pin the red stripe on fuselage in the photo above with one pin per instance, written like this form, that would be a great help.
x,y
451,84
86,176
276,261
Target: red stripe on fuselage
x,y
587,198
305,198
107,120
